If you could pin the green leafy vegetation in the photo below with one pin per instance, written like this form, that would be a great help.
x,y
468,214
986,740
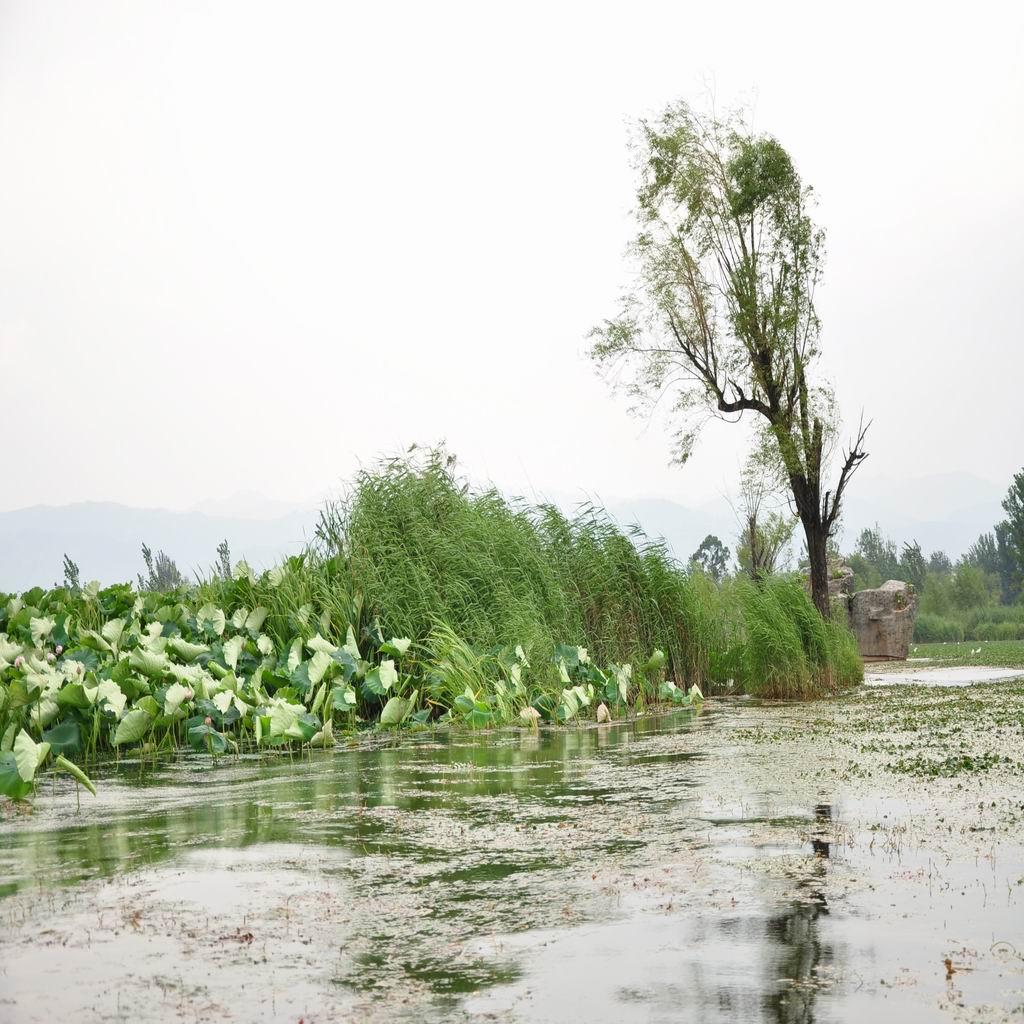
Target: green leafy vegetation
x,y
977,598
420,602
929,733
951,764
787,649
1000,654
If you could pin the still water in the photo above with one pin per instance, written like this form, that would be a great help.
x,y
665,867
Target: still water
x,y
657,870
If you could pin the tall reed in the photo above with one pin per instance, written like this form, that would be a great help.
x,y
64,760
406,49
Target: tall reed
x,y
414,550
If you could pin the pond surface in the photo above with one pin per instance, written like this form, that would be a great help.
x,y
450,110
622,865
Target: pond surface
x,y
962,675
664,869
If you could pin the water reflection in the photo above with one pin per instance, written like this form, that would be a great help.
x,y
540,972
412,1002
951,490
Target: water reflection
x,y
437,842
820,841
802,959
145,817
537,876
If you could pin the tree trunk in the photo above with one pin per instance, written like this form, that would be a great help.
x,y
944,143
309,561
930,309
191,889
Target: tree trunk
x,y
817,551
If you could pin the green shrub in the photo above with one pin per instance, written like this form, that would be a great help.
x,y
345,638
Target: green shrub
x,y
998,631
931,628
987,622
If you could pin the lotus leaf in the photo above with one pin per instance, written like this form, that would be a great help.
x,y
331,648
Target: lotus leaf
x,y
394,711
63,765
133,727
185,650
28,755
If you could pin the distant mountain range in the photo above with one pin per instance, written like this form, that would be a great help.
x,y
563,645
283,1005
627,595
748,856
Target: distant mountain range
x,y
945,512
105,540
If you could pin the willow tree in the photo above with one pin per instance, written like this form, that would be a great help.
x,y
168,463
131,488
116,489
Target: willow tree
x,y
722,318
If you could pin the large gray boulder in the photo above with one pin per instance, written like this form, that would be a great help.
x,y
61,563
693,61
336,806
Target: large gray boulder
x,y
840,587
883,620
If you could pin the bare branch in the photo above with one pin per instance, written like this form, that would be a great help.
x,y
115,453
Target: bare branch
x,y
854,456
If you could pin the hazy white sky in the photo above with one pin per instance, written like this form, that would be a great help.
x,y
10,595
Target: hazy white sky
x,y
248,245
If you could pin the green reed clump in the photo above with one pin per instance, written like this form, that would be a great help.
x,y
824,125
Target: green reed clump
x,y
414,549
422,549
784,647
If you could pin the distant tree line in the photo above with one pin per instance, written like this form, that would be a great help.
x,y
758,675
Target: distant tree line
x,y
980,596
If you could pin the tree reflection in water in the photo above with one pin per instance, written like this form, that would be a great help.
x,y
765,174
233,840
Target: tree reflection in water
x,y
796,934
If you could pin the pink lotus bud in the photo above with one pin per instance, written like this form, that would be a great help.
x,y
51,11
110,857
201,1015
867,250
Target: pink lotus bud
x,y
59,648
19,661
51,657
208,720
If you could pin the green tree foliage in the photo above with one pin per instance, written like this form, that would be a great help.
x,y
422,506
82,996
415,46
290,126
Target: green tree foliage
x,y
724,318
913,567
1000,553
764,538
865,575
984,554
763,542
765,533
879,552
1009,564
875,560
971,588
979,598
1011,538
712,557
222,567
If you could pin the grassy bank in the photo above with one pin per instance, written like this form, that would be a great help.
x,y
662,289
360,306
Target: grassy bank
x,y
999,653
420,602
